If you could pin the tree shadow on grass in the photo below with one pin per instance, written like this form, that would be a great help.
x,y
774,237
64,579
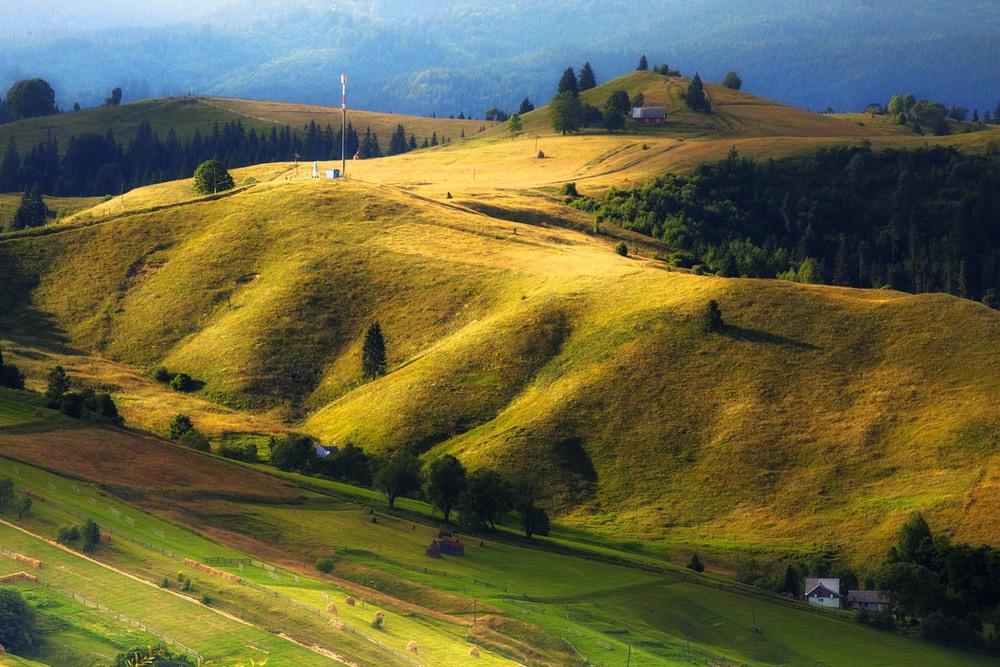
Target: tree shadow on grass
x,y
766,337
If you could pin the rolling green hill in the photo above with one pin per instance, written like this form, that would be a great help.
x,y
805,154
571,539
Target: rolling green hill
x,y
819,417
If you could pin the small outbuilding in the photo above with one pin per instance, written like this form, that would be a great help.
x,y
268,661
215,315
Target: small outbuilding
x,y
870,600
649,115
875,109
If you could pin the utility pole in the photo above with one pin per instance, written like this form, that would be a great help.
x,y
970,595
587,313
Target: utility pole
x,y
343,125
629,661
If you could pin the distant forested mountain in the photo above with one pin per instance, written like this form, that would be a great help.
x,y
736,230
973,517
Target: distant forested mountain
x,y
449,56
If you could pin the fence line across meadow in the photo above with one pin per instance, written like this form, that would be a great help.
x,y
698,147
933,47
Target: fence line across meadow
x,y
122,617
571,615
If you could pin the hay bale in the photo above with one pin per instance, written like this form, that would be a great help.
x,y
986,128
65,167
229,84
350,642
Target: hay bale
x,y
412,647
349,601
336,625
36,414
3,651
473,651
331,609
541,156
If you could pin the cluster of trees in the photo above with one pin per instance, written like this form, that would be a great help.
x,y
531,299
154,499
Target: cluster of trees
x,y
923,114
8,495
695,96
663,69
98,164
482,498
11,376
918,220
86,404
569,114
952,587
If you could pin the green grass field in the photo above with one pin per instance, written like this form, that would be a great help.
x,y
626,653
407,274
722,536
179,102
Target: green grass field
x,y
598,607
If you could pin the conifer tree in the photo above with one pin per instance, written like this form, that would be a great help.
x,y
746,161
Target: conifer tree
x,y
695,96
373,361
568,82
643,63
525,107
32,211
587,79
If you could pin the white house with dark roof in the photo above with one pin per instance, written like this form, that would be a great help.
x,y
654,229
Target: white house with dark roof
x,y
824,592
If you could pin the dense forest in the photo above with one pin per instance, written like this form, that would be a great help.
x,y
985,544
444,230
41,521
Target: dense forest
x,y
922,220
466,56
98,164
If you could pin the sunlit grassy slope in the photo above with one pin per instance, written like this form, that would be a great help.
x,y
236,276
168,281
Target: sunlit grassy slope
x,y
817,416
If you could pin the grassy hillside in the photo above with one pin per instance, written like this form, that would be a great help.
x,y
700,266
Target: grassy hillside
x,y
517,338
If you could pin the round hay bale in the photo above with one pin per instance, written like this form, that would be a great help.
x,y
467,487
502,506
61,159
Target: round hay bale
x,y
331,609
412,647
473,651
349,601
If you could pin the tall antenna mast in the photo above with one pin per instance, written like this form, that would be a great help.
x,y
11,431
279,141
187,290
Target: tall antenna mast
x,y
343,125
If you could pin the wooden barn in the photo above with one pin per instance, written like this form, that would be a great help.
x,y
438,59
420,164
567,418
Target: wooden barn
x,y
649,115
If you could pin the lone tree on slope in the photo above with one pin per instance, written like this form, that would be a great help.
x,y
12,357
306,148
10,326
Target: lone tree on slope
x,y
711,319
695,96
211,177
373,361
732,80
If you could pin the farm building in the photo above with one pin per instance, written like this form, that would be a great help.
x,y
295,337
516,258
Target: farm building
x,y
875,109
870,600
649,115
824,592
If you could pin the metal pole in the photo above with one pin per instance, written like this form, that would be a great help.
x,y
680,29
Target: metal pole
x,y
343,125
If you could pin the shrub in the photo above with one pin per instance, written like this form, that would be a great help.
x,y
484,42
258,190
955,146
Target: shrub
x,y
206,599
622,249
569,190
161,374
696,564
195,440
246,452
68,534
165,583
187,585
180,425
325,565
182,382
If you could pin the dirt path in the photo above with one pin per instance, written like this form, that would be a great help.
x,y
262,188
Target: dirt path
x,y
315,649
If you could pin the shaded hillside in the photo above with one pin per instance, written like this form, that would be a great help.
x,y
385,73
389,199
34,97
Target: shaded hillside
x,y
818,415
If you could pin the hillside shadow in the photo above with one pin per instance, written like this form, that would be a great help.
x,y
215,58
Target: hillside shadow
x,y
766,337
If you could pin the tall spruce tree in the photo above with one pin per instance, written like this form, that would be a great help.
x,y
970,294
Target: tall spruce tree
x,y
587,79
373,361
32,211
525,107
568,82
643,63
695,96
